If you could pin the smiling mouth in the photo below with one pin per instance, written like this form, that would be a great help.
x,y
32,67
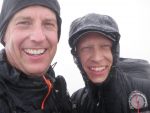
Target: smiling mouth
x,y
35,51
98,69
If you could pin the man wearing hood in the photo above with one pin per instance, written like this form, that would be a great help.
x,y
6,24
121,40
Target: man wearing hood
x,y
30,31
94,42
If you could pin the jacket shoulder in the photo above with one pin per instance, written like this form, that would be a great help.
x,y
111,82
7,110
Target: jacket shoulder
x,y
79,97
79,94
135,67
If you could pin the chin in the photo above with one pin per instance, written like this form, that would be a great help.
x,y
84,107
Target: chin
x,y
35,73
98,80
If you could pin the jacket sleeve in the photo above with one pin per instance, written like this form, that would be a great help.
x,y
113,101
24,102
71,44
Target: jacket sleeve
x,y
63,100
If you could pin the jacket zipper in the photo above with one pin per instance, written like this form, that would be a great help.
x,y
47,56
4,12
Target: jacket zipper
x,y
49,85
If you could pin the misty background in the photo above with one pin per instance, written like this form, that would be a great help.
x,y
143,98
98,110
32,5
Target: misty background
x,y
133,18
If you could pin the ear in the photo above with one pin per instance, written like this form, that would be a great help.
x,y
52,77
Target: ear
x,y
75,59
3,40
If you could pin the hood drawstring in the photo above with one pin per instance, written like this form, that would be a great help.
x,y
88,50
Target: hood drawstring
x,y
49,85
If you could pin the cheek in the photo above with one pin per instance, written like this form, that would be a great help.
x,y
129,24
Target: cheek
x,y
83,60
14,37
110,57
52,36
16,41
53,46
52,42
12,46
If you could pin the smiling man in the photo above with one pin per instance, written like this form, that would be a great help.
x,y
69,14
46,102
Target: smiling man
x,y
30,31
95,55
31,40
112,84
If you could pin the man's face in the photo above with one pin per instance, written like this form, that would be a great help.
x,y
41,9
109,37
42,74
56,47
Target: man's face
x,y
31,40
94,51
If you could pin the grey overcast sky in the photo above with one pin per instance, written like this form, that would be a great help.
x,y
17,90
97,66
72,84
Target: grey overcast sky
x,y
133,18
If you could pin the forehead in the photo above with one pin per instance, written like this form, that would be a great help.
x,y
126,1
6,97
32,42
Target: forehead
x,y
36,10
89,37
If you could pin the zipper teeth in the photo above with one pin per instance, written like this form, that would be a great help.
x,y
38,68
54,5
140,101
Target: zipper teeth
x,y
49,85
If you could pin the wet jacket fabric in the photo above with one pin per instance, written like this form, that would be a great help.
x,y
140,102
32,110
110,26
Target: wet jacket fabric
x,y
117,96
135,67
22,94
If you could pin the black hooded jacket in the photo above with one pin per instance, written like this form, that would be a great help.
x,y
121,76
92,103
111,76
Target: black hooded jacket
x,y
22,94
126,88
129,77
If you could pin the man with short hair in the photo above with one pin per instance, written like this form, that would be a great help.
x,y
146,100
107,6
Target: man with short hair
x,y
30,31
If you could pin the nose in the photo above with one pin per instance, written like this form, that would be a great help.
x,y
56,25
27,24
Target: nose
x,y
37,34
97,55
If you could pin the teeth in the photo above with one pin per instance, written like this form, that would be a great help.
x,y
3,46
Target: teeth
x,y
34,51
97,68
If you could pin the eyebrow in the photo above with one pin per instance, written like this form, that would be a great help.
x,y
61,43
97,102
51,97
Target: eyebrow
x,y
30,18
22,18
51,20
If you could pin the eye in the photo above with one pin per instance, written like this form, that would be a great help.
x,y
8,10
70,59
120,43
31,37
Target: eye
x,y
50,25
23,23
106,46
85,49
